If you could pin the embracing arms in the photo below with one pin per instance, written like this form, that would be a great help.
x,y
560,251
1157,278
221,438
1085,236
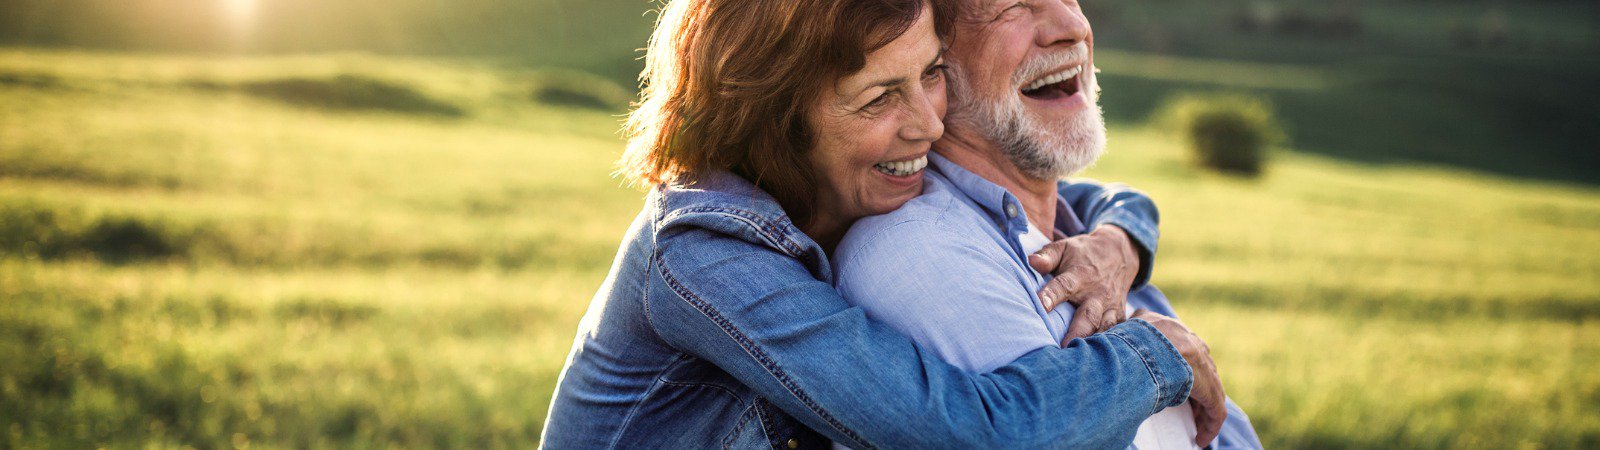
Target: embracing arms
x,y
765,318
1095,271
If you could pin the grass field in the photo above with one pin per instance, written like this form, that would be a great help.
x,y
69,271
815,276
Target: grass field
x,y
347,251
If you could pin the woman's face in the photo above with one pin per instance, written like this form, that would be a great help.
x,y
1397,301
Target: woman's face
x,y
873,129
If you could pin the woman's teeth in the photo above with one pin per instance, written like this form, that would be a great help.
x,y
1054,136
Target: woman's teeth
x,y
902,168
1053,79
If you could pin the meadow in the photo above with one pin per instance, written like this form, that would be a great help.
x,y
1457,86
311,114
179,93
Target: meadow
x,y
352,251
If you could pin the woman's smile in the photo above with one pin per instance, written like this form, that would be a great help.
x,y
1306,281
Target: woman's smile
x,y
903,169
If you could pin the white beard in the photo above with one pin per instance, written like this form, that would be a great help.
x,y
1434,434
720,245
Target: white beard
x,y
1045,151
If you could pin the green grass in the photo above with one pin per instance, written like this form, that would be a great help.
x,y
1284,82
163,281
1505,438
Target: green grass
x,y
1398,91
326,277
1481,112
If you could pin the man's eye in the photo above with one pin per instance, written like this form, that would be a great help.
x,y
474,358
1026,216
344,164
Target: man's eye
x,y
1021,4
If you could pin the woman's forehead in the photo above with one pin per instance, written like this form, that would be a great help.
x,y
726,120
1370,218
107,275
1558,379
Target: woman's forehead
x,y
902,59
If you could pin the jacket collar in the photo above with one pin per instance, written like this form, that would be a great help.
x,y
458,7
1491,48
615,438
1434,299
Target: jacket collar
x,y
728,204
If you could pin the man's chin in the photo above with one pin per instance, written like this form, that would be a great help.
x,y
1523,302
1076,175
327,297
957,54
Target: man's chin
x,y
1064,146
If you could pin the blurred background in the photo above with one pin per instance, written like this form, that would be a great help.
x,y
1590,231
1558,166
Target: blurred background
x,y
375,223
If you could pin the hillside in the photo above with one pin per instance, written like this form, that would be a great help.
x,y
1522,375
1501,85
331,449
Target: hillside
x,y
346,250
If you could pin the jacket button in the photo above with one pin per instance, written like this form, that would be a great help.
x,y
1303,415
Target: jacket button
x,y
793,443
1011,210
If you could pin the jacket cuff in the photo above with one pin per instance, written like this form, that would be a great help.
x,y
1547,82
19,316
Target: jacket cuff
x,y
1144,242
1168,369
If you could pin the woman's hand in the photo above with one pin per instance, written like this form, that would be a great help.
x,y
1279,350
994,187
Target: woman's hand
x,y
1093,273
1205,394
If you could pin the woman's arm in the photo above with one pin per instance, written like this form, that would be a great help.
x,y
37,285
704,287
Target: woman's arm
x,y
767,320
1118,204
1096,270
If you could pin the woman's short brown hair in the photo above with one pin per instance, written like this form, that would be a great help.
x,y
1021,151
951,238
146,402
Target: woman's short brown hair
x,y
727,85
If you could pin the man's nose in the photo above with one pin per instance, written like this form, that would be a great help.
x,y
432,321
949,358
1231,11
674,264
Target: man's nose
x,y
1061,23
925,123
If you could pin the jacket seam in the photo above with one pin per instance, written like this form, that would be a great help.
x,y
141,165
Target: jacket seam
x,y
744,421
768,429
1161,386
770,231
761,356
628,418
709,385
644,300
655,248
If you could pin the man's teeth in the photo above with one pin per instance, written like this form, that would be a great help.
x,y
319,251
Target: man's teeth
x,y
1053,79
902,168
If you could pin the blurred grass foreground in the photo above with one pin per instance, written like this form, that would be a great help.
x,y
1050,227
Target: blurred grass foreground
x,y
351,250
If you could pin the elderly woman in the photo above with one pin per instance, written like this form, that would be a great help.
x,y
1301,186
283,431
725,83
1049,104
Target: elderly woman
x,y
767,128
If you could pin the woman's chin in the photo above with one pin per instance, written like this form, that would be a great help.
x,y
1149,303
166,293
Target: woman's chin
x,y
894,196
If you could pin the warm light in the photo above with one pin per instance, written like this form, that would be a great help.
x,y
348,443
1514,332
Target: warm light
x,y
240,15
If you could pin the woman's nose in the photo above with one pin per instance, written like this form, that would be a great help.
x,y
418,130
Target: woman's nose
x,y
924,123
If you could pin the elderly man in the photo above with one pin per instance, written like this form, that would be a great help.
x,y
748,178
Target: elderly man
x,y
1023,114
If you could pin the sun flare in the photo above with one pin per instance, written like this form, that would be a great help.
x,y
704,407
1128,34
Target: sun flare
x,y
240,14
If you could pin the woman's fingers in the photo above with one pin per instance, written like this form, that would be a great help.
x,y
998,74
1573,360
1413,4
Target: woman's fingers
x,y
1205,393
1111,317
1049,258
1208,421
1062,288
1084,322
1207,400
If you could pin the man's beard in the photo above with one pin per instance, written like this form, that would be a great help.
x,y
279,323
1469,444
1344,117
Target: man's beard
x,y
1043,150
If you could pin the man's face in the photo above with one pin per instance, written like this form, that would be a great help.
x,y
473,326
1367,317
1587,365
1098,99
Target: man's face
x,y
1022,77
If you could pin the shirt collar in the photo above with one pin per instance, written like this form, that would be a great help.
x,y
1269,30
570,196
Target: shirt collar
x,y
997,202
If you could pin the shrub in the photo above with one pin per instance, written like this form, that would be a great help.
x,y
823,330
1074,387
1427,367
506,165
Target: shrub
x,y
36,80
578,89
31,230
1227,133
351,92
124,239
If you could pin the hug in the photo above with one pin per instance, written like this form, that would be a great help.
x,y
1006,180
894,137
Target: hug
x,y
857,236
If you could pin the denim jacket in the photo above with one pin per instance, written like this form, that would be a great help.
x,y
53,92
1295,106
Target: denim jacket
x,y
718,326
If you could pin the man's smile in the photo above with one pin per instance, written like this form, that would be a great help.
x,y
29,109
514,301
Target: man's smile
x,y
1058,84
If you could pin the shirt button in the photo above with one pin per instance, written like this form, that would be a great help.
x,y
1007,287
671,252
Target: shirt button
x,y
793,443
1011,210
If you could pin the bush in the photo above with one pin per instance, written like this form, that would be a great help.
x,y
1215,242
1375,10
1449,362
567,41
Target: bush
x,y
578,89
350,92
36,80
1227,133
30,230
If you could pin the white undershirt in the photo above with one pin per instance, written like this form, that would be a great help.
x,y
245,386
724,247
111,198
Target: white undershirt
x,y
1172,428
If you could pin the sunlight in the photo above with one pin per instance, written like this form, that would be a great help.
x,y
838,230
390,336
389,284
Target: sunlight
x,y
240,16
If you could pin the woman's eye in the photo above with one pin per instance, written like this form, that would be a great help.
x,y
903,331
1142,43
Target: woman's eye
x,y
878,102
935,72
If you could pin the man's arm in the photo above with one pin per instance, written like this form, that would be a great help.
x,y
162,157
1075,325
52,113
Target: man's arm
x,y
761,316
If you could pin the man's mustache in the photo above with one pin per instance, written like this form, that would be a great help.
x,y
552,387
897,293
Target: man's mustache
x,y
1051,62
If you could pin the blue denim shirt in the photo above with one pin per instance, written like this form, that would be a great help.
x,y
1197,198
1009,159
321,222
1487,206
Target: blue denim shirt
x,y
719,326
897,266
